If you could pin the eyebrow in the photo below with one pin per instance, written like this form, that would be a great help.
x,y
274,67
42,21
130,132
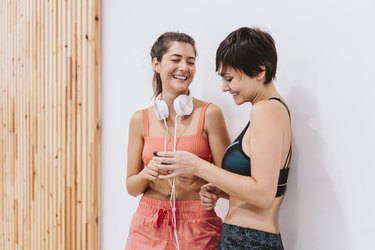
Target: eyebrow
x,y
223,74
178,55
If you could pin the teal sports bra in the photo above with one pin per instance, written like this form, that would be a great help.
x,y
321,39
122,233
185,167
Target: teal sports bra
x,y
236,161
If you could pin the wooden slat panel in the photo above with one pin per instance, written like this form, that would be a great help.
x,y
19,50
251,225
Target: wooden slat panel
x,y
49,124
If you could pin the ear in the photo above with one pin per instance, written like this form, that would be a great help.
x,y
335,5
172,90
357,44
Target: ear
x,y
156,65
262,74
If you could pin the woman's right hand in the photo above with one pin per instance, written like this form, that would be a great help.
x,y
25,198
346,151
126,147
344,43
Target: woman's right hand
x,y
209,195
152,172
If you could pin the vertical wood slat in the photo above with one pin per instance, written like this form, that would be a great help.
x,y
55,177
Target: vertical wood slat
x,y
49,124
2,129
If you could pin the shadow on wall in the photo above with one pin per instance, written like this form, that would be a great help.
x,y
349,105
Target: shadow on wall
x,y
311,212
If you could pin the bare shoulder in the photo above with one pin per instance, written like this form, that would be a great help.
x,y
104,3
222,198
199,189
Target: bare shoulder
x,y
136,122
269,109
214,119
137,117
213,111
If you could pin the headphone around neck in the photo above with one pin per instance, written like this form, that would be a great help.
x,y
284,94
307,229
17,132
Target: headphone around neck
x,y
183,105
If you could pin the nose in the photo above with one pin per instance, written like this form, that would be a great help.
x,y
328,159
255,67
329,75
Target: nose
x,y
183,65
224,86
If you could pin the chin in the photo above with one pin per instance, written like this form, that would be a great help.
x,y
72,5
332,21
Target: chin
x,y
238,102
183,85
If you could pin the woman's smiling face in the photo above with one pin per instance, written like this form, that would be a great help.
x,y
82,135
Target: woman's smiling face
x,y
242,87
177,67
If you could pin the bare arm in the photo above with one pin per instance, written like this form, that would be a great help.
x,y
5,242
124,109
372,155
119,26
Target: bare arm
x,y
217,133
218,136
136,183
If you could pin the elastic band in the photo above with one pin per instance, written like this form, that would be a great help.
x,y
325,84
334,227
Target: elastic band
x,y
145,121
201,118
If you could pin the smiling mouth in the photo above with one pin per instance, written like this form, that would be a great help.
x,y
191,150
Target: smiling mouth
x,y
180,77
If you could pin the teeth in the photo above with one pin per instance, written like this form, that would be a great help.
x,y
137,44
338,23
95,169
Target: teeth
x,y
180,77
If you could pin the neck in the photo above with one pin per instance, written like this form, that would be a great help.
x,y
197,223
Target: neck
x,y
267,92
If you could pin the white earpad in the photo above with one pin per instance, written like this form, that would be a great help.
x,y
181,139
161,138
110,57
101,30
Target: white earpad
x,y
161,109
183,104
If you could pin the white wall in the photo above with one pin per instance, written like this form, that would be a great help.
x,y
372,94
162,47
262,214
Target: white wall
x,y
326,73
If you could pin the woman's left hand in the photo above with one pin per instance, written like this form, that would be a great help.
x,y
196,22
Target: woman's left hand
x,y
209,195
179,163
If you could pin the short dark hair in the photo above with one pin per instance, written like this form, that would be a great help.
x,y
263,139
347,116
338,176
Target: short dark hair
x,y
248,50
161,46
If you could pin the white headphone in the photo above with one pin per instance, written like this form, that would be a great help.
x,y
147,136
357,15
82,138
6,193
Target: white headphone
x,y
183,105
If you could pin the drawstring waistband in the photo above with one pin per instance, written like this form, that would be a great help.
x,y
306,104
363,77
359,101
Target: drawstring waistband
x,y
160,215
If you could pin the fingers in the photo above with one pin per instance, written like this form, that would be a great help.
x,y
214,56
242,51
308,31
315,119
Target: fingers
x,y
208,197
165,154
152,172
179,162
163,160
163,172
149,174
158,171
168,157
163,168
168,176
160,153
165,157
208,204
207,194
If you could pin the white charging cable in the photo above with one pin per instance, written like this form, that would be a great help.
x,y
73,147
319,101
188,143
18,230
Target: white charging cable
x,y
172,199
173,190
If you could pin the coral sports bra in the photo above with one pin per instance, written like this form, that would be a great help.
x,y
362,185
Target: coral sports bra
x,y
196,144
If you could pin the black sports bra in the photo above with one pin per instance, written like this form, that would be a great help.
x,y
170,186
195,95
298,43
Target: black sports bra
x,y
236,161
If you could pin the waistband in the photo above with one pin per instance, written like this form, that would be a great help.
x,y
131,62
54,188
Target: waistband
x,y
185,210
247,230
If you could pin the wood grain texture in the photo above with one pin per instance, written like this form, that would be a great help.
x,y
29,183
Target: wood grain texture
x,y
49,124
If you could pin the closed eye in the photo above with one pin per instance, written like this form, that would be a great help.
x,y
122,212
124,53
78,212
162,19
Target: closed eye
x,y
228,79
